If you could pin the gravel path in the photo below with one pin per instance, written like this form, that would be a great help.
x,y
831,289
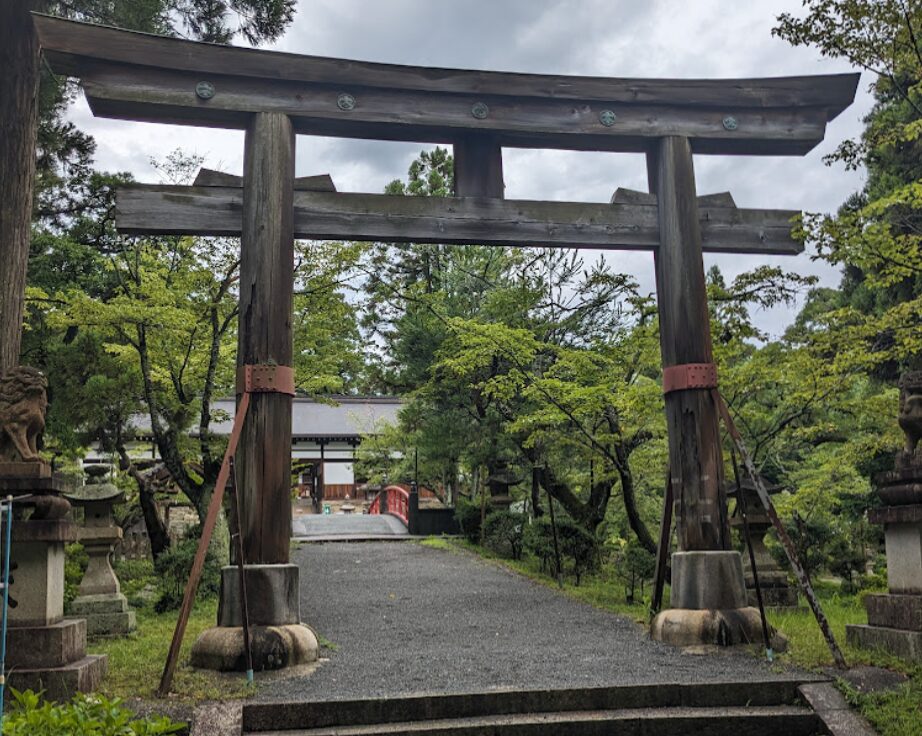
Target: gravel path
x,y
406,618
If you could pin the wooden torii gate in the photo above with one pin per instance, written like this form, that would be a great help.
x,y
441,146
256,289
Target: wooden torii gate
x,y
274,96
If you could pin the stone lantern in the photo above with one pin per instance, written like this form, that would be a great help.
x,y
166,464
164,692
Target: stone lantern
x,y
45,651
773,581
895,618
100,600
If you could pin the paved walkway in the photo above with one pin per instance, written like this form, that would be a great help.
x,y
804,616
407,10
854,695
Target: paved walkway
x,y
406,618
347,527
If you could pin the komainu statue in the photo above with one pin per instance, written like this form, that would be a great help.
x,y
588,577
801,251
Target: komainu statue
x,y
23,401
911,411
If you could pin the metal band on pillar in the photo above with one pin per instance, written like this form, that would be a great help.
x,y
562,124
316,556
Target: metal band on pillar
x,y
689,376
265,378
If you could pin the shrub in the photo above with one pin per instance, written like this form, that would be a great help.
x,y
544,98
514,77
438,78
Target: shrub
x,y
173,568
503,532
85,715
137,578
577,546
634,565
75,561
467,513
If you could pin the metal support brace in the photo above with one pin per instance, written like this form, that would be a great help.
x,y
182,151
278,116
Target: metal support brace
x,y
250,379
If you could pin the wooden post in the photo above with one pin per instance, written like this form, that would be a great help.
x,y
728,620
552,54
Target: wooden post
x,y
478,167
264,335
695,461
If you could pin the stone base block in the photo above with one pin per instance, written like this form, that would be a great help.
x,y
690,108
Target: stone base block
x,y
88,605
775,597
37,647
727,627
272,596
111,624
61,683
106,614
904,644
273,647
708,580
895,611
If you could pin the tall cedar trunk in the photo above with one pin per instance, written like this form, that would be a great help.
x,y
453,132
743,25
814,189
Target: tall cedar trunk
x,y
19,60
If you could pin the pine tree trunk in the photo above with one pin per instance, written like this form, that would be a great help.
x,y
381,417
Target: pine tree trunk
x,y
19,60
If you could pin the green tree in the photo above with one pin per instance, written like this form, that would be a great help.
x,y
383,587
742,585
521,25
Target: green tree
x,y
33,103
875,236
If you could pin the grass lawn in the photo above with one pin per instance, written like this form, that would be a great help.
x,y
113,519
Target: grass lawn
x,y
136,661
894,713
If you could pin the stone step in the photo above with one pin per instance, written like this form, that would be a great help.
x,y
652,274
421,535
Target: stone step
x,y
378,712
723,721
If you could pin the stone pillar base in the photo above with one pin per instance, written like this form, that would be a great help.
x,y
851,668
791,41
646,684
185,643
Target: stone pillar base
x,y
273,647
709,602
60,683
278,637
106,614
894,625
899,642
684,627
53,658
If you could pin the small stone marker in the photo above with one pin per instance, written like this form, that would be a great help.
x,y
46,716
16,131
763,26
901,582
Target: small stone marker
x,y
100,600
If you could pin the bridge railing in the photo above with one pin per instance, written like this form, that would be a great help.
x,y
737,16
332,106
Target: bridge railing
x,y
392,500
398,503
404,505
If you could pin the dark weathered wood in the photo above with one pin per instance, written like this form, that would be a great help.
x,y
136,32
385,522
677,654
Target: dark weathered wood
x,y
632,196
212,178
478,167
68,44
695,460
171,210
264,336
140,77
19,61
158,95
663,547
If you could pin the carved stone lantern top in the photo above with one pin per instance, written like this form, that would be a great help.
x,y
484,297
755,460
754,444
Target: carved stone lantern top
x,y
97,498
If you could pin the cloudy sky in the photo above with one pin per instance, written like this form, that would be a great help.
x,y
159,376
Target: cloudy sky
x,y
619,38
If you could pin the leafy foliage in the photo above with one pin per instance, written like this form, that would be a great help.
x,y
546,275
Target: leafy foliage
x,y
578,547
85,715
503,532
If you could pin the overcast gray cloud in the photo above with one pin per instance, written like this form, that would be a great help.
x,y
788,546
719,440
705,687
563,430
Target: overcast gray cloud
x,y
621,38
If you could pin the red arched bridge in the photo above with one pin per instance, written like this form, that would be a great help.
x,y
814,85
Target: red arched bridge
x,y
393,513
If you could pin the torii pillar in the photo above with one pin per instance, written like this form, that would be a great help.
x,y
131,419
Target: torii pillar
x,y
263,461
709,603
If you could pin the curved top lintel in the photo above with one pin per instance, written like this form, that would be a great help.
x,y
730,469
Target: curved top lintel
x,y
71,46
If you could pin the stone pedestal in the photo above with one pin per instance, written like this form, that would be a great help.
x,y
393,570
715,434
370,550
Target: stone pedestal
x,y
44,651
100,601
278,638
708,602
895,619
773,581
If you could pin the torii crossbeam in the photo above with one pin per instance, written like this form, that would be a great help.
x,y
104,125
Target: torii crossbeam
x,y
273,96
